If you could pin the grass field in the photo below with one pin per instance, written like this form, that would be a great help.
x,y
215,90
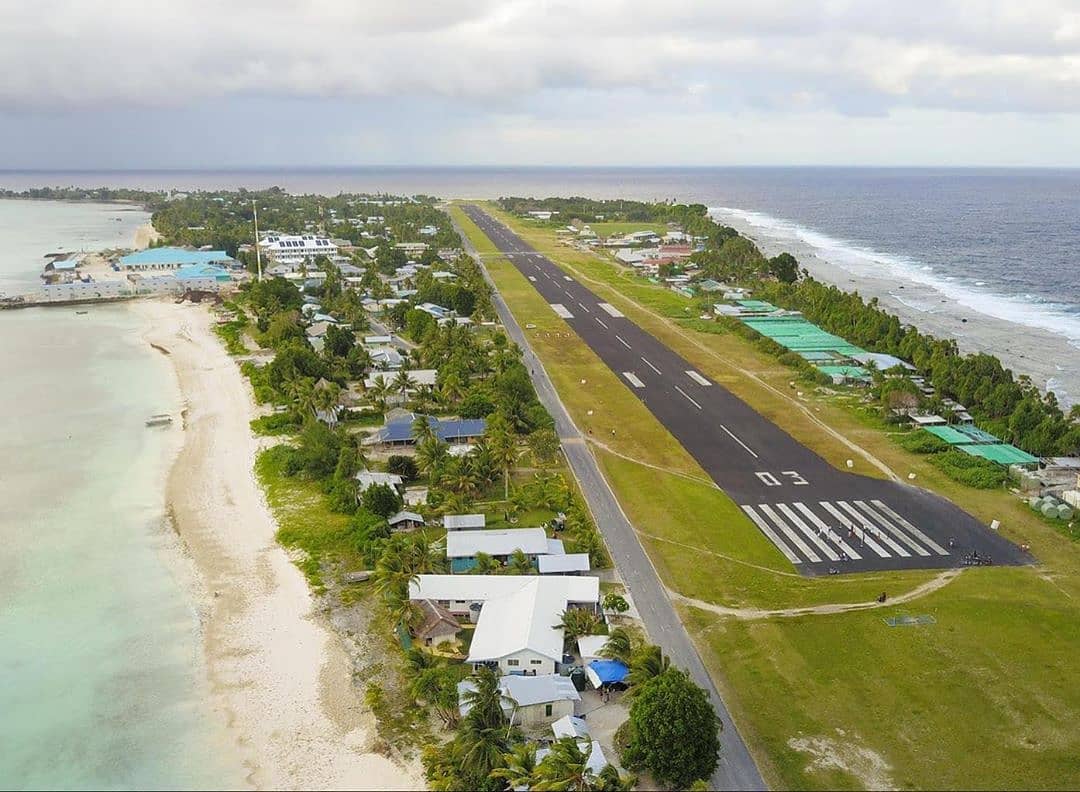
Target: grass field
x,y
983,697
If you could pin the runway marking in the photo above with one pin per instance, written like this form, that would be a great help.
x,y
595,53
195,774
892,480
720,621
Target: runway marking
x,y
768,531
829,532
929,542
612,310
654,368
633,379
680,390
790,534
619,339
828,551
560,309
567,278
749,450
532,278
873,530
599,322
700,380
848,524
586,310
903,537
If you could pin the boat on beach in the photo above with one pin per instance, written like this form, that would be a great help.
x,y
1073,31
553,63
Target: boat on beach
x,y
159,420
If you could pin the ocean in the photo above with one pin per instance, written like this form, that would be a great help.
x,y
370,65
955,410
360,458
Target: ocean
x,y
101,651
1004,243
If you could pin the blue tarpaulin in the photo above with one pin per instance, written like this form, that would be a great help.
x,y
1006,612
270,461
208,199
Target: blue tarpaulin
x,y
607,671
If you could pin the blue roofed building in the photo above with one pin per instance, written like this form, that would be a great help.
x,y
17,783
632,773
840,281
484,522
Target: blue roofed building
x,y
193,272
400,430
173,258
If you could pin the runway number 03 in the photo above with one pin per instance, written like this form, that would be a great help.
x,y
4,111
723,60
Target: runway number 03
x,y
769,480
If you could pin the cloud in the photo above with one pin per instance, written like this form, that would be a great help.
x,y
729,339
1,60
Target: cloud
x,y
845,56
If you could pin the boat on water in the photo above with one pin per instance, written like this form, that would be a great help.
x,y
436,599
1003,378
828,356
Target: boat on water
x,y
159,420
80,313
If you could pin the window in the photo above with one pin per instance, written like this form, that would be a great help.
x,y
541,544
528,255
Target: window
x,y
536,662
512,662
547,710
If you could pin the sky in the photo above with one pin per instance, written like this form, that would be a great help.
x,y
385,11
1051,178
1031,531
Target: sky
x,y
102,84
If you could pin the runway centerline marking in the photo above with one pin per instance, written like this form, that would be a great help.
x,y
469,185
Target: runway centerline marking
x,y
599,322
633,379
654,368
700,380
685,395
619,339
567,278
586,310
748,449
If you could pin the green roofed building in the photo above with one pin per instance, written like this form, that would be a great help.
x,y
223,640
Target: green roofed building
x,y
1002,453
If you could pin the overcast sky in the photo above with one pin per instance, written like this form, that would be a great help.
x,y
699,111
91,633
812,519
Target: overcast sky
x,y
247,83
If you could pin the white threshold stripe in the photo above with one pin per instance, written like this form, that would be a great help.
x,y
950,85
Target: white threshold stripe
x,y
790,534
870,528
633,379
619,339
768,531
532,278
808,532
654,368
611,310
926,539
845,522
687,397
599,322
567,278
829,532
560,309
700,380
903,537
749,450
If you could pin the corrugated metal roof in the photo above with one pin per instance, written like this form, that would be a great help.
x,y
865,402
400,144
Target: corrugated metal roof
x,y
174,256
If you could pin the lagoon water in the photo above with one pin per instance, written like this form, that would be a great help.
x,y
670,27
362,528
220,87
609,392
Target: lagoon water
x,y
101,677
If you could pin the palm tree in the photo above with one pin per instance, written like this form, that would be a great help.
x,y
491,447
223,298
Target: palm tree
x,y
619,646
566,768
647,662
431,457
519,564
422,429
452,388
402,382
379,391
519,768
576,622
484,565
326,397
481,749
484,700
503,451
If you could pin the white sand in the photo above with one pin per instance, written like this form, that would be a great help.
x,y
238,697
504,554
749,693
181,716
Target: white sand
x,y
145,235
278,676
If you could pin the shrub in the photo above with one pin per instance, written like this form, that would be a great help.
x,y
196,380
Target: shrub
x,y
973,471
614,601
922,442
380,499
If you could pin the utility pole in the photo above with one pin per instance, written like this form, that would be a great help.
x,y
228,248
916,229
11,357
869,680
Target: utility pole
x,y
258,257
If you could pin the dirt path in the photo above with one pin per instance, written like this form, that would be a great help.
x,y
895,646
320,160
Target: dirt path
x,y
750,614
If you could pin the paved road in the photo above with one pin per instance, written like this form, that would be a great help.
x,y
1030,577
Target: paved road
x,y
821,519
737,769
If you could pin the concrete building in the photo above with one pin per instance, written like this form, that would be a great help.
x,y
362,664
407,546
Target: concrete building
x,y
173,258
530,702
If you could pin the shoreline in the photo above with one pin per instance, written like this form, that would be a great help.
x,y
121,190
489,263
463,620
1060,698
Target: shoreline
x,y
277,674
1026,350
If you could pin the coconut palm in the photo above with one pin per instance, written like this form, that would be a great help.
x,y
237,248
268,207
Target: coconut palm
x,y
485,701
647,662
379,392
565,768
484,564
619,646
519,768
402,383
519,564
431,457
503,450
422,429
576,622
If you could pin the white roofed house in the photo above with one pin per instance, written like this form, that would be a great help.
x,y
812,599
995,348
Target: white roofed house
x,y
517,616
371,478
462,547
464,522
533,701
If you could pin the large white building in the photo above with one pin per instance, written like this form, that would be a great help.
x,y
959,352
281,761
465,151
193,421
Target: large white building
x,y
296,250
517,624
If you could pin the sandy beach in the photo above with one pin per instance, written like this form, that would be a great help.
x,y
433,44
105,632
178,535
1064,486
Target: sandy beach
x,y
1048,358
277,674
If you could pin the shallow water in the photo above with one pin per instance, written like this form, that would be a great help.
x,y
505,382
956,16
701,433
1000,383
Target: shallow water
x,y
101,655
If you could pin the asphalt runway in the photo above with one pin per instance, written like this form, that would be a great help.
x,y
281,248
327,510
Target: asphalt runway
x,y
821,519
